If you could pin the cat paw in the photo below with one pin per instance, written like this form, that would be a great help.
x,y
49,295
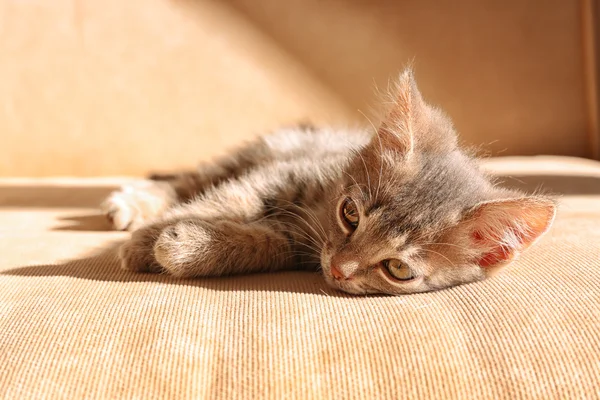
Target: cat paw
x,y
137,254
135,204
182,248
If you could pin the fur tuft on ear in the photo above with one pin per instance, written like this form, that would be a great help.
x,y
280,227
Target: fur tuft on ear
x,y
411,125
498,231
398,129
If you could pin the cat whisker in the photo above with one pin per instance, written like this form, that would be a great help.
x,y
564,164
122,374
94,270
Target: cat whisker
x,y
299,253
280,211
292,254
314,245
299,218
300,233
356,184
311,263
312,216
311,245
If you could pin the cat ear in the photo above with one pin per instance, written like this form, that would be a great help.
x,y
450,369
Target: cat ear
x,y
499,231
397,131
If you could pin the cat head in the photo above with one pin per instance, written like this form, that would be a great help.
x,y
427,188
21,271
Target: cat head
x,y
413,213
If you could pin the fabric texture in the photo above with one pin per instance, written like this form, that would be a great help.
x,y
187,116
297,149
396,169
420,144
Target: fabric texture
x,y
73,325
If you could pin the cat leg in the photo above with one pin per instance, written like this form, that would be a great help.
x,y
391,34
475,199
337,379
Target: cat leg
x,y
192,247
138,203
227,230
206,235
221,222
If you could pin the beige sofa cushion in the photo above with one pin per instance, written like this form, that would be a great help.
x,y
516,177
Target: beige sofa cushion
x,y
73,325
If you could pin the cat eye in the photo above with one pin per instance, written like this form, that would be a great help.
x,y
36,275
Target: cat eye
x,y
398,269
350,213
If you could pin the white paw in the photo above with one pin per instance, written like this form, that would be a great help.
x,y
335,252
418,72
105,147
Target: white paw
x,y
137,203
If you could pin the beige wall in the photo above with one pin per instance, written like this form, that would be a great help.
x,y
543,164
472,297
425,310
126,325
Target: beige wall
x,y
122,87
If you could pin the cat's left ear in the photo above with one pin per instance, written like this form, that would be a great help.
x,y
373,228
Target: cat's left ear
x,y
398,129
498,231
411,125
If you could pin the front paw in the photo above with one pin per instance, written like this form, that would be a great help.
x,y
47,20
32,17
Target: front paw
x,y
183,248
137,254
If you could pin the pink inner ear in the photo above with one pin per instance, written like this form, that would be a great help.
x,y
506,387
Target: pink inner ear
x,y
498,254
521,232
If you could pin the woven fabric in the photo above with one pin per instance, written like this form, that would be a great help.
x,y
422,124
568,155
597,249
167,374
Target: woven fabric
x,y
73,325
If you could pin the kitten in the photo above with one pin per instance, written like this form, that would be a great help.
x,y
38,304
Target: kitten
x,y
399,210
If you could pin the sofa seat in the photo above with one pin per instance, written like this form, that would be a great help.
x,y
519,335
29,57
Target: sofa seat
x,y
74,325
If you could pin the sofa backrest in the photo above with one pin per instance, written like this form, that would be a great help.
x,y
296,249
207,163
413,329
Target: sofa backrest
x,y
123,87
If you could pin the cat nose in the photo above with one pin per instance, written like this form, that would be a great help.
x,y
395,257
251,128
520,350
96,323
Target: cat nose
x,y
337,274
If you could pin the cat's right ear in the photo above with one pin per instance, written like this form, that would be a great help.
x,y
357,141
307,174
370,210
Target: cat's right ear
x,y
398,130
497,232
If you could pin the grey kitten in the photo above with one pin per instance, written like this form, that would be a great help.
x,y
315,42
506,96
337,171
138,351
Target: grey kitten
x,y
399,210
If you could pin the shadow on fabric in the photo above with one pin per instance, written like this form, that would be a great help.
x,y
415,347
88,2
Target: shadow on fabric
x,y
104,266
